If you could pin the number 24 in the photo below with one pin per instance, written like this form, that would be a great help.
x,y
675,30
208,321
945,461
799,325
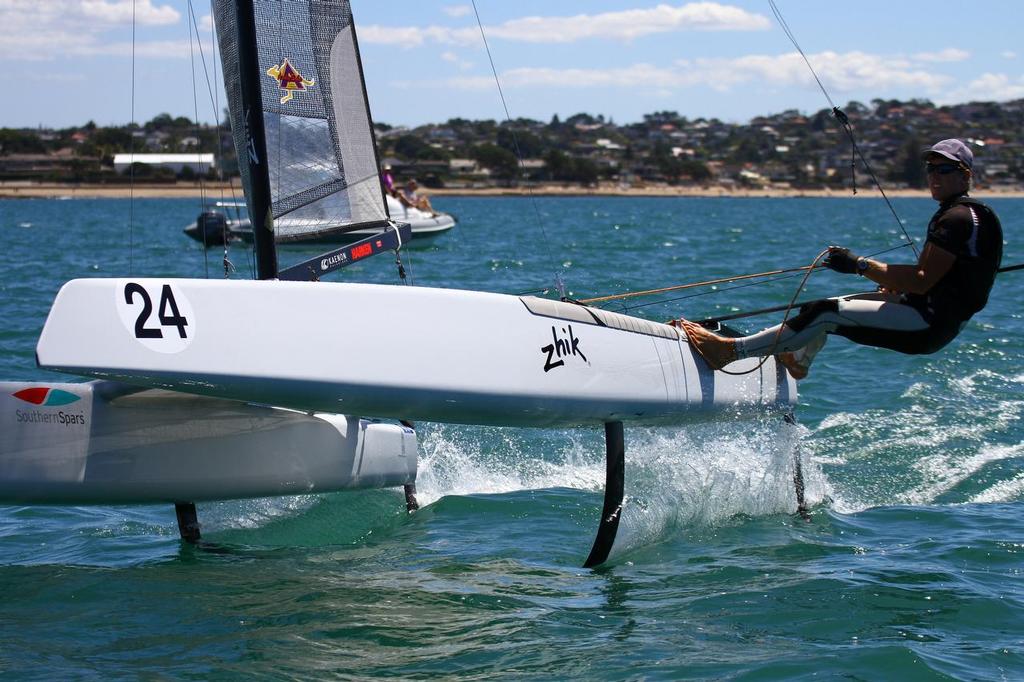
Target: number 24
x,y
168,313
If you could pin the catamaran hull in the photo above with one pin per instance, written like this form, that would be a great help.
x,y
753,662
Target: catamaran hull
x,y
105,443
394,351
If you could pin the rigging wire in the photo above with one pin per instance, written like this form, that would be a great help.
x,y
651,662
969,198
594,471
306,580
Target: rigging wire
x,y
131,161
195,107
229,267
847,128
675,299
711,282
213,93
559,284
778,333
677,287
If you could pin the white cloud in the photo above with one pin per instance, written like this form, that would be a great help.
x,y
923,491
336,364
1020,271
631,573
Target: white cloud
x,y
459,62
457,10
412,36
1008,54
626,25
840,73
31,30
950,54
989,87
631,24
121,11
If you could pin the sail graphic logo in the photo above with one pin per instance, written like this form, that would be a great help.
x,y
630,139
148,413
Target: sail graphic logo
x,y
288,79
46,397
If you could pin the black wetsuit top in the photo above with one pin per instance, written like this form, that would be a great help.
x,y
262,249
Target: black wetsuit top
x,y
969,230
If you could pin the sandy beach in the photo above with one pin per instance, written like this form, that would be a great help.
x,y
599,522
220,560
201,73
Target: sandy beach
x,y
230,191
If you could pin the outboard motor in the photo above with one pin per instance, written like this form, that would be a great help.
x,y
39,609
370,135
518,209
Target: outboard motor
x,y
212,227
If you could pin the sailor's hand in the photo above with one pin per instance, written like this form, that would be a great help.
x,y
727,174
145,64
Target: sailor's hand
x,y
841,260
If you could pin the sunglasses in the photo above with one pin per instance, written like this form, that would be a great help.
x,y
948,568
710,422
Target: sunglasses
x,y
942,168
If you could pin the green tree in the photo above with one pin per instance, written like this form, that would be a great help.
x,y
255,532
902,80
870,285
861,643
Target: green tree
x,y
697,170
501,162
530,144
410,146
19,142
585,171
160,122
910,163
558,165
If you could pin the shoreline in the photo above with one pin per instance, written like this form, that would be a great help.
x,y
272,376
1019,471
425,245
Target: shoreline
x,y
229,191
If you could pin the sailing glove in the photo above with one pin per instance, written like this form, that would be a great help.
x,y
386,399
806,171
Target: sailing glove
x,y
841,260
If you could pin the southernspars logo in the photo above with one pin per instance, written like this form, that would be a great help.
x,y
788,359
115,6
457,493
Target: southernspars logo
x,y
288,79
46,397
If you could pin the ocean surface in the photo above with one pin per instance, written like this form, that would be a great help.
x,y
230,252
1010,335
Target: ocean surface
x,y
910,567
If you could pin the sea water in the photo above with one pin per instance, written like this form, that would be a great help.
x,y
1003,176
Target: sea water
x,y
910,566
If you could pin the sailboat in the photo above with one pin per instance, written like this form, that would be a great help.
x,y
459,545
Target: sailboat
x,y
313,347
213,225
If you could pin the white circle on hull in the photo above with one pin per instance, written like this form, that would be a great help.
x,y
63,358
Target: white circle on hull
x,y
157,314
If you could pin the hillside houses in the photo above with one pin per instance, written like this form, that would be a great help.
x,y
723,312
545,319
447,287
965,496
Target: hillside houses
x,y
790,148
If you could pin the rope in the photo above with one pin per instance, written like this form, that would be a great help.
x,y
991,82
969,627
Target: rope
x,y
398,258
778,334
677,287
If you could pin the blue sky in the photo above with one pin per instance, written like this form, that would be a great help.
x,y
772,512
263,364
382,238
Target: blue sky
x,y
68,61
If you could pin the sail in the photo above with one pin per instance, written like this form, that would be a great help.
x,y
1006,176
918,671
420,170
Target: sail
x,y
321,156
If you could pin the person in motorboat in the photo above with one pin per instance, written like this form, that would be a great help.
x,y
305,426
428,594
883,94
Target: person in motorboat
x,y
918,308
389,181
411,197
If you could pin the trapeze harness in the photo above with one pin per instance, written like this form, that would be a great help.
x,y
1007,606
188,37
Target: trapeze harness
x,y
908,323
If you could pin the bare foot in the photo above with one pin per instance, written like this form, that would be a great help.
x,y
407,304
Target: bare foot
x,y
716,350
792,365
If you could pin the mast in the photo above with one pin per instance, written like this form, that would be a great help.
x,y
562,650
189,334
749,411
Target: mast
x,y
260,206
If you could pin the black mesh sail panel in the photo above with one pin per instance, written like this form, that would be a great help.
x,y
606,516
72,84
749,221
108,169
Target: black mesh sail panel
x,y
321,156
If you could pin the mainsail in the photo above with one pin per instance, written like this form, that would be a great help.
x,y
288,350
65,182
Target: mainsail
x,y
321,155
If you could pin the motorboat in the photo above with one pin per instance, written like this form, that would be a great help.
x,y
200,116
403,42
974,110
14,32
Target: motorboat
x,y
227,221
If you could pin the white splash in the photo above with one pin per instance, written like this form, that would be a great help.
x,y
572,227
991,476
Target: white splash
x,y
1011,490
945,470
700,474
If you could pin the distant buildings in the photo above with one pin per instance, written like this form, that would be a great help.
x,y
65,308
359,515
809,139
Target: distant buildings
x,y
198,164
788,149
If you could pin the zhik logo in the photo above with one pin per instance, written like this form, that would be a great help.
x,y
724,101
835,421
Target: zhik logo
x,y
561,348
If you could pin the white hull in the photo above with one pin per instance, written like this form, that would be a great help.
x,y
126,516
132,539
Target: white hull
x,y
393,351
95,443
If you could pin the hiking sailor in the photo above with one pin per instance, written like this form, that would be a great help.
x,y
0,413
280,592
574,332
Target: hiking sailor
x,y
917,308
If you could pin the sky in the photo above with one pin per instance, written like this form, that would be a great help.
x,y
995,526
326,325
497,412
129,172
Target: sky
x,y
69,61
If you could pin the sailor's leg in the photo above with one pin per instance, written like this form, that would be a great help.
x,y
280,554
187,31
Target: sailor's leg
x,y
814,321
872,319
829,317
798,362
